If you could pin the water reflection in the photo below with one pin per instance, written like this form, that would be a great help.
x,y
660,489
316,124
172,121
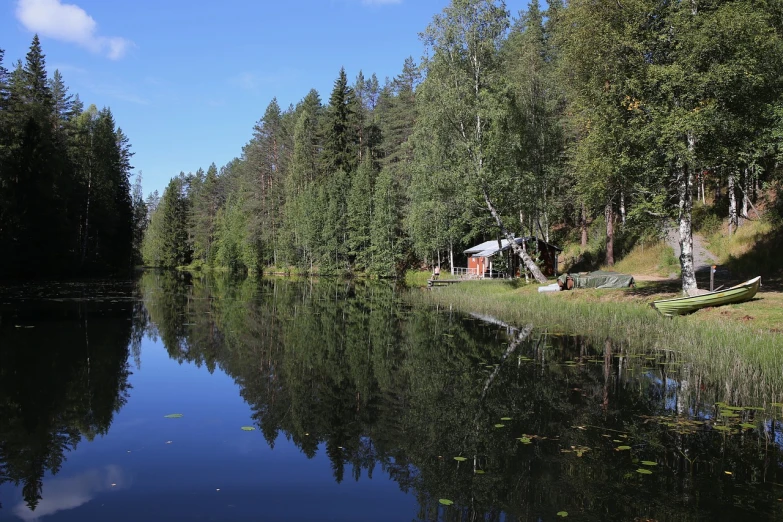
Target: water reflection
x,y
542,423
71,492
63,375
406,390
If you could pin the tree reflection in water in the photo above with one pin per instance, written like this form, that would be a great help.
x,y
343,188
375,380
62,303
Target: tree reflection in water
x,y
63,373
381,384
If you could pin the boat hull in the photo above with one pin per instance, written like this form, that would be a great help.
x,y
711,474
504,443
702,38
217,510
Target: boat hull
x,y
685,305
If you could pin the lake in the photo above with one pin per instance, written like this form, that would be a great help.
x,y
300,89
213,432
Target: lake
x,y
210,398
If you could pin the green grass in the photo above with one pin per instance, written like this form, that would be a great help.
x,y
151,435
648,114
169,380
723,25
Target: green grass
x,y
652,259
756,248
746,357
417,278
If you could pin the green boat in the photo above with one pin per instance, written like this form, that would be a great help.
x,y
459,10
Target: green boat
x,y
686,305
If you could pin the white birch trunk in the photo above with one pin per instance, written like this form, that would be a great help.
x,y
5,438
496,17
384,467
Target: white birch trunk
x,y
526,259
622,207
732,204
583,226
745,192
609,213
685,196
451,256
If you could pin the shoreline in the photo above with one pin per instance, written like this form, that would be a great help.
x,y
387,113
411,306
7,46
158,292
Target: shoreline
x,y
749,357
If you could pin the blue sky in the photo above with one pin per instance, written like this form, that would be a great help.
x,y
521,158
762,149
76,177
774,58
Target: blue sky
x,y
187,80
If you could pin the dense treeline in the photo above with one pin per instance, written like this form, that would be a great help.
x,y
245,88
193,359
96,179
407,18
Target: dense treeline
x,y
620,113
65,195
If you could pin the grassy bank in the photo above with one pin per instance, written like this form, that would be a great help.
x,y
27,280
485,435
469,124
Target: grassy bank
x,y
746,355
648,259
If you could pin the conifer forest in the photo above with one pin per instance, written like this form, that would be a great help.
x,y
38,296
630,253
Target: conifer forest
x,y
66,203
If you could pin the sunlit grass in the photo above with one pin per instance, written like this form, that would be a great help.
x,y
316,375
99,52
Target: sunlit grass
x,y
749,356
653,259
742,241
415,278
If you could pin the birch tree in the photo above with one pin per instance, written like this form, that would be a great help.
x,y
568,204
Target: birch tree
x,y
464,72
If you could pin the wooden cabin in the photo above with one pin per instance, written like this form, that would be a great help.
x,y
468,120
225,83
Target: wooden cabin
x,y
497,259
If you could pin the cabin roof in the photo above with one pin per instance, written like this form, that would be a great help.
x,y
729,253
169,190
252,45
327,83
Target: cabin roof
x,y
490,248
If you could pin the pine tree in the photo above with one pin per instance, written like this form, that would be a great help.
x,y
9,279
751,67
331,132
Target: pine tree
x,y
386,226
140,222
333,247
359,210
265,156
62,102
174,231
36,84
340,140
203,215
298,241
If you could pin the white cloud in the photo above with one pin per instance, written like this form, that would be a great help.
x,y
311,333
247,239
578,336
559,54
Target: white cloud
x,y
60,494
69,23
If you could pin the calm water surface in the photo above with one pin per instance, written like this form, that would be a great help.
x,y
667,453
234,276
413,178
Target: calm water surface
x,y
359,404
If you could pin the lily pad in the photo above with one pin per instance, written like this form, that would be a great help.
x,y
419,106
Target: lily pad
x,y
649,463
248,428
644,471
460,459
562,514
747,425
499,425
479,472
524,440
623,448
505,418
445,501
722,428
173,416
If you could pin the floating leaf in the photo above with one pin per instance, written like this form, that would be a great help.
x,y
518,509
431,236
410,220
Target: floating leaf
x,y
616,440
479,472
562,514
623,448
248,428
460,459
445,501
581,450
728,472
778,404
644,471
499,425
505,418
722,428
747,425
649,463
524,440
173,416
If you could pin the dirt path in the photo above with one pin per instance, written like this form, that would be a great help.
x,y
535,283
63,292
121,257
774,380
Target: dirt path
x,y
702,258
